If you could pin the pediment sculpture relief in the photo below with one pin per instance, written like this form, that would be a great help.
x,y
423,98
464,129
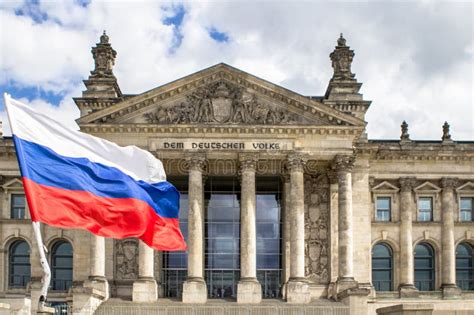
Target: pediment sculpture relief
x,y
220,102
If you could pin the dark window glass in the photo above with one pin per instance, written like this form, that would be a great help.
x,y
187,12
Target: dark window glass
x,y
175,264
383,208
467,209
61,266
222,236
18,207
19,265
382,268
425,209
465,266
269,236
424,267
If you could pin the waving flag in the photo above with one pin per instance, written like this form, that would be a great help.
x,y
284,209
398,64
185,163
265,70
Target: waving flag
x,y
75,180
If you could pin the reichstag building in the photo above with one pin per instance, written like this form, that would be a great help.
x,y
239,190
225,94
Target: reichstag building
x,y
287,206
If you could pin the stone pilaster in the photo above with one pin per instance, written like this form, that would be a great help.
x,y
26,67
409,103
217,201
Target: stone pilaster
x,y
248,288
297,289
407,208
145,289
448,204
343,165
194,288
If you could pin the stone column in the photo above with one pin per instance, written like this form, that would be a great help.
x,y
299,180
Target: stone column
x,y
286,232
97,279
448,204
407,205
194,288
297,289
343,166
145,289
248,288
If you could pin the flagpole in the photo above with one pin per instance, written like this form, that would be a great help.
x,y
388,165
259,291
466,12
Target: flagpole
x,y
44,263
46,279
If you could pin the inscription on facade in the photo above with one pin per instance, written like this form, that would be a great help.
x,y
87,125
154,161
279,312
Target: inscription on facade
x,y
180,144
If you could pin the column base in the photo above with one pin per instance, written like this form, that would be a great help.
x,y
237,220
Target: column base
x,y
46,310
194,291
297,291
450,291
145,290
356,299
408,291
344,284
100,284
249,291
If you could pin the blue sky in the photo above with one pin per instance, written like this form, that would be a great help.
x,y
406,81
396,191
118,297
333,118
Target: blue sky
x,y
415,59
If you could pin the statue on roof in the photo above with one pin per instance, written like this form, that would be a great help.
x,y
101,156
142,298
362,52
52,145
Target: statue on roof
x,y
104,58
341,59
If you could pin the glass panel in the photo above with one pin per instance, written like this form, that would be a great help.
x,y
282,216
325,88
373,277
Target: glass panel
x,y
424,267
18,204
466,203
269,236
383,203
175,263
424,203
61,266
222,228
19,264
381,250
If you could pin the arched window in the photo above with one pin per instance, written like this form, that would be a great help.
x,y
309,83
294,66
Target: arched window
x,y
19,265
61,266
424,267
465,266
382,267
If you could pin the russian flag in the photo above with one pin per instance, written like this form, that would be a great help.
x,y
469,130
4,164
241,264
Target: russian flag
x,y
75,180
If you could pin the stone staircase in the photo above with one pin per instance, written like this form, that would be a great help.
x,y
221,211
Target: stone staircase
x,y
220,307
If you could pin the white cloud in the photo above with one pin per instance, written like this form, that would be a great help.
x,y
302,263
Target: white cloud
x,y
414,58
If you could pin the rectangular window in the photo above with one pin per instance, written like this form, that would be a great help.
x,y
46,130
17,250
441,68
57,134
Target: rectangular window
x,y
383,209
18,206
425,209
466,209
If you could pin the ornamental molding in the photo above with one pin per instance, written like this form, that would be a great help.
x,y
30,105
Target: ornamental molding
x,y
311,109
343,163
407,184
449,182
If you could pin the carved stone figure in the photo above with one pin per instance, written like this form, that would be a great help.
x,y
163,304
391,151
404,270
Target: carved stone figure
x,y
104,58
126,259
220,102
316,229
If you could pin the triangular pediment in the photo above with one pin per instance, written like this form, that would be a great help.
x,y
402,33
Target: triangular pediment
x,y
13,184
427,187
385,187
467,187
221,95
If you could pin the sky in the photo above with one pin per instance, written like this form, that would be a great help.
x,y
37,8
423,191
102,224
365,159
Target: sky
x,y
414,58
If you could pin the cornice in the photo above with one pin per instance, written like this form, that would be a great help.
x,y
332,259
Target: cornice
x,y
231,129
221,72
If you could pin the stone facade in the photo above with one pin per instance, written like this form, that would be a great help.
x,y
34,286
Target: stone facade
x,y
223,122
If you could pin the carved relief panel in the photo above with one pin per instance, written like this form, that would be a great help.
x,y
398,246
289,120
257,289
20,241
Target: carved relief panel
x,y
220,102
126,259
316,228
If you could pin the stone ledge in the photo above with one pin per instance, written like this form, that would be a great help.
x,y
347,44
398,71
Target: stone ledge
x,y
407,308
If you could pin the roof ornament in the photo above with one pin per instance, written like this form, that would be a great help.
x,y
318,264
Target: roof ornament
x,y
104,58
341,59
446,135
405,135
104,39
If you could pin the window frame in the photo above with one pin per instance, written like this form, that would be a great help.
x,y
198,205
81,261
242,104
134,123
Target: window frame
x,y
12,196
433,270
470,269
13,244
391,268
54,247
385,189
390,207
418,208
461,197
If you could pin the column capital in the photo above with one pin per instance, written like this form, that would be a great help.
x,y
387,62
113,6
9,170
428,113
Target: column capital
x,y
407,184
248,162
332,176
196,162
449,182
296,162
343,163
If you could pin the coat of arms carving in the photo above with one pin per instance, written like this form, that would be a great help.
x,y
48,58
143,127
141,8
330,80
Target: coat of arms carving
x,y
126,259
